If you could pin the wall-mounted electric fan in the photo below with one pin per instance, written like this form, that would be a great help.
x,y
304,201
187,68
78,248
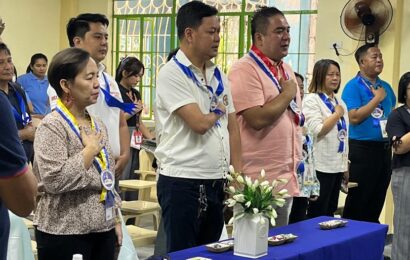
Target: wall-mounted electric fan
x,y
366,20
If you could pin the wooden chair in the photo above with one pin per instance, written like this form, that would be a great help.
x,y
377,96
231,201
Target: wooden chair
x,y
147,173
137,208
141,236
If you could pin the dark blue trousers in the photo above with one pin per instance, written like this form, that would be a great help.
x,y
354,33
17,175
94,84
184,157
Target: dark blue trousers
x,y
192,211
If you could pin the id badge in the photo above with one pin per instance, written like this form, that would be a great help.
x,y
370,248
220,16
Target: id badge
x,y
383,123
109,213
136,139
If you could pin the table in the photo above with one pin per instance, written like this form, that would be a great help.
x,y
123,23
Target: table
x,y
358,240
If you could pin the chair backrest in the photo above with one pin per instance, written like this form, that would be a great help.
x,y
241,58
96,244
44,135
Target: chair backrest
x,y
147,173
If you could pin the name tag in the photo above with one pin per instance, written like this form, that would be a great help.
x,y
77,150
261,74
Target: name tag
x,y
383,127
109,213
136,139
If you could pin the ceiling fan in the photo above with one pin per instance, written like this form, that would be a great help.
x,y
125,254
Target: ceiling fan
x,y
372,17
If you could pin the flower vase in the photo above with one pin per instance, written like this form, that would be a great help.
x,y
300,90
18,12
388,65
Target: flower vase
x,y
251,236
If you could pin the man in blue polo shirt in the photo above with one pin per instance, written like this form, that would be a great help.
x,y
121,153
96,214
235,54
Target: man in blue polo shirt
x,y
369,101
18,186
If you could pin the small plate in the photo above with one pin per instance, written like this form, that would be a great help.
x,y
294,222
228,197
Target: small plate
x,y
331,224
218,247
281,239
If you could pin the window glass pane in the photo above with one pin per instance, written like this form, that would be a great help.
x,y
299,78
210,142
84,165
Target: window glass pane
x,y
149,33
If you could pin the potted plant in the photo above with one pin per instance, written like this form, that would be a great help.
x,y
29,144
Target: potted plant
x,y
254,203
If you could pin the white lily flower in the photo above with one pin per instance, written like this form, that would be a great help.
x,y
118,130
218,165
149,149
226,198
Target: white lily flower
x,y
230,222
255,184
248,181
274,183
248,204
231,169
283,192
263,173
284,181
255,211
265,183
232,189
231,202
229,177
272,222
269,189
269,207
239,198
274,213
240,179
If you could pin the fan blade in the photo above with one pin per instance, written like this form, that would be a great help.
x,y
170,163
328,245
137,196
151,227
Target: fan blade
x,y
383,12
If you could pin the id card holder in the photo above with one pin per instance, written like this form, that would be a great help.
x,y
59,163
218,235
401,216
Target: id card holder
x,y
136,139
109,213
382,124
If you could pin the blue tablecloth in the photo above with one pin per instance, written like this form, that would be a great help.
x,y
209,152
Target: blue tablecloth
x,y
357,240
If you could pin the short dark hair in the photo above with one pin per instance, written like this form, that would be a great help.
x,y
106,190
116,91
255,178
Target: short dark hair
x,y
403,83
299,76
131,65
66,64
260,19
3,47
33,60
319,75
80,25
361,51
190,16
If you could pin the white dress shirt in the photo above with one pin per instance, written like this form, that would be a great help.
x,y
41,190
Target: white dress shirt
x,y
109,115
325,148
182,152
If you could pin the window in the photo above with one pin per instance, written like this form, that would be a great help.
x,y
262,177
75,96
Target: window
x,y
147,29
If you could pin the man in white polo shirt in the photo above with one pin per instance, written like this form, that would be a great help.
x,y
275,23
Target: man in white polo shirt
x,y
199,132
89,32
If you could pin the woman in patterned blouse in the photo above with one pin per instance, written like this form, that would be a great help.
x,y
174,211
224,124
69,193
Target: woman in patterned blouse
x,y
73,162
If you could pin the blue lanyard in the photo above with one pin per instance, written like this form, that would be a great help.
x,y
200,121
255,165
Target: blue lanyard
x,y
76,131
367,85
112,101
24,118
266,70
188,72
341,124
299,117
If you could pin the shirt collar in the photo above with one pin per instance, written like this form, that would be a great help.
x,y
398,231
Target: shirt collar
x,y
33,77
183,59
101,68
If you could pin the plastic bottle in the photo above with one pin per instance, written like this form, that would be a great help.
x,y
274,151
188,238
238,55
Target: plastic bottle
x,y
78,257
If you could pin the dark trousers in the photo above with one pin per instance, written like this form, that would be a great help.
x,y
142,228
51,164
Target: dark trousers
x,y
187,221
298,211
371,168
326,204
93,246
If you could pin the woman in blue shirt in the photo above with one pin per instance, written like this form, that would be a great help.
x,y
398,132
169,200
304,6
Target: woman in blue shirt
x,y
35,83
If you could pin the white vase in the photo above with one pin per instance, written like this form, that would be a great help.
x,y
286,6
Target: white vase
x,y
251,236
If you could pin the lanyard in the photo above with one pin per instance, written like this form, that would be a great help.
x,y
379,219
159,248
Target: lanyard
x,y
188,72
367,85
214,96
266,66
341,124
112,101
101,161
24,118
